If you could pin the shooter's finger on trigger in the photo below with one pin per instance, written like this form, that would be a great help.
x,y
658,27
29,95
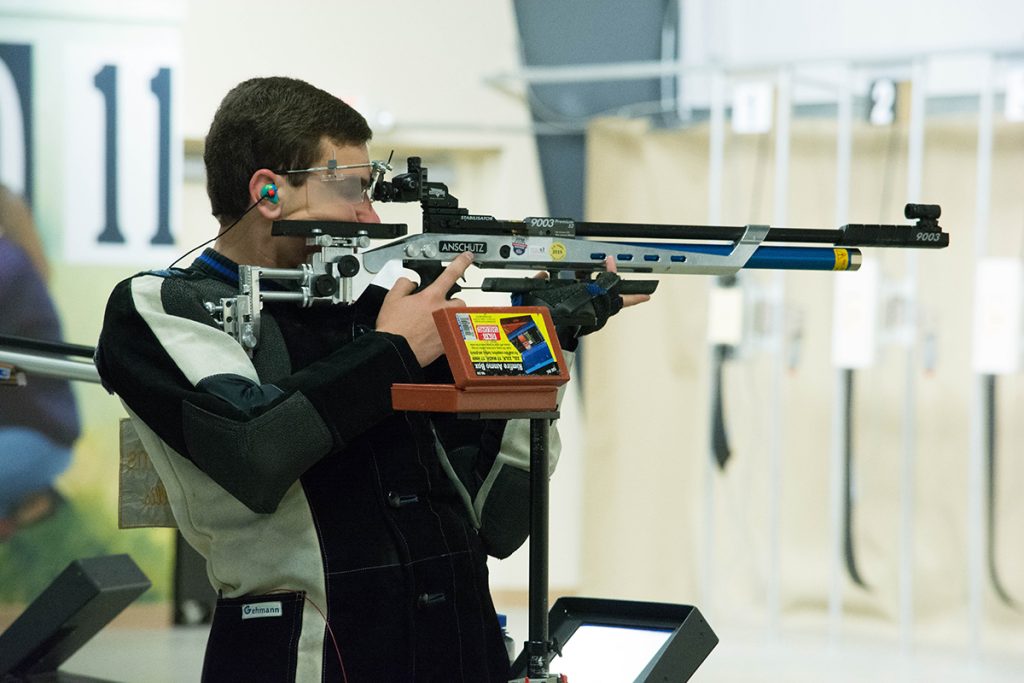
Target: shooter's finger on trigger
x,y
455,270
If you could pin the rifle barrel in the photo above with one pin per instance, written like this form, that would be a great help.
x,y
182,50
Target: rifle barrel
x,y
854,235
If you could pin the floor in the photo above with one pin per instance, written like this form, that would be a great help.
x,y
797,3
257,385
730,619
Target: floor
x,y
174,655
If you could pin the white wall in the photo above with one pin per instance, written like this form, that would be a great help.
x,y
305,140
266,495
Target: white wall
x,y
755,31
877,38
415,69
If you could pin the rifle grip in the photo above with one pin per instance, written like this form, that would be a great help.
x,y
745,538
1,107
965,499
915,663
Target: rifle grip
x,y
428,272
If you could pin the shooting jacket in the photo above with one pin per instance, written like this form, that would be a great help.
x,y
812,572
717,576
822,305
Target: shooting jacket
x,y
339,533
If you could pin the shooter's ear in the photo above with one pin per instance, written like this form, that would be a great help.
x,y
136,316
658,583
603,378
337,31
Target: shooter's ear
x,y
266,194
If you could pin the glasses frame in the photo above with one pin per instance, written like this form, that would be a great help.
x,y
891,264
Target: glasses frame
x,y
377,170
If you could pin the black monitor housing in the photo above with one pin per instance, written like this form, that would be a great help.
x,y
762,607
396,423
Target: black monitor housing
x,y
83,599
688,639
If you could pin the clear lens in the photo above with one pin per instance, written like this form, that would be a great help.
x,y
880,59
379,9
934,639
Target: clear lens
x,y
333,185
348,188
323,192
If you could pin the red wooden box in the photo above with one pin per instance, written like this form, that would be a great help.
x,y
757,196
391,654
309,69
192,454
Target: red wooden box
x,y
502,360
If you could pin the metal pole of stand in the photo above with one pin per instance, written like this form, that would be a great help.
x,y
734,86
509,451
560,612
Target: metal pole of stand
x,y
537,645
908,460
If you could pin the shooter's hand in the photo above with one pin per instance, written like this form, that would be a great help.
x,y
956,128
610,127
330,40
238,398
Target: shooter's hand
x,y
627,299
411,315
597,300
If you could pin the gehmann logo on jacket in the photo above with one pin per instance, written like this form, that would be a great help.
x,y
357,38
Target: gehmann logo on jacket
x,y
259,610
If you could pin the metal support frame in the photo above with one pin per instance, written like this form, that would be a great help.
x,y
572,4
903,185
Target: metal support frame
x,y
716,156
45,366
976,458
626,71
783,115
538,647
915,171
844,97
844,154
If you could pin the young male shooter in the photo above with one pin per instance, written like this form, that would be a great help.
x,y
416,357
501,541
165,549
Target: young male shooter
x,y
341,549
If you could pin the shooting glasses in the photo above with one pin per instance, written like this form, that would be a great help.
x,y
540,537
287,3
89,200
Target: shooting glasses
x,y
335,185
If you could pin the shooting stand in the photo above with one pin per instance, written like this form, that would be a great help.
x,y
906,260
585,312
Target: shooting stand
x,y
488,387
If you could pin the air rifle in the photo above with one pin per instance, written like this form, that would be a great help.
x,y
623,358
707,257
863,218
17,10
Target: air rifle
x,y
345,264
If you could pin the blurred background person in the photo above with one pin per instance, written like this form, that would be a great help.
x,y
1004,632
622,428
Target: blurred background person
x,y
38,421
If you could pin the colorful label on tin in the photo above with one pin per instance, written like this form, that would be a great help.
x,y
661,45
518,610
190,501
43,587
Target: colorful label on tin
x,y
507,344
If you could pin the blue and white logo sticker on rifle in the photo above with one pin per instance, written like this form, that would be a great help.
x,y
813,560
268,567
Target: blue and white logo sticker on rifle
x,y
260,610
